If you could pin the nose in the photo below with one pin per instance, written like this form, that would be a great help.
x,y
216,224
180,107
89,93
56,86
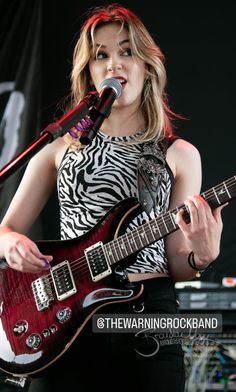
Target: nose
x,y
113,68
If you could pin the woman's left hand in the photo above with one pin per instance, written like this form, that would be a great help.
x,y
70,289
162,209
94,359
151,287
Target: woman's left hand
x,y
204,231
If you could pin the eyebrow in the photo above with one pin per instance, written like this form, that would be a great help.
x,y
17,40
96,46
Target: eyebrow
x,y
119,43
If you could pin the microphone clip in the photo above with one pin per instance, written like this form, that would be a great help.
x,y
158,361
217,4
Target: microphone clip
x,y
72,117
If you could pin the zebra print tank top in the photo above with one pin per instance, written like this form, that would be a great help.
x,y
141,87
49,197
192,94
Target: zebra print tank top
x,y
92,180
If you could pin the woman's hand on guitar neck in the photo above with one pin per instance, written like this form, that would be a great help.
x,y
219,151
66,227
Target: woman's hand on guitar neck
x,y
204,231
22,254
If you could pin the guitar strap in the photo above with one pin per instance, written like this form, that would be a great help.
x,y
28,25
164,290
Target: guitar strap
x,y
150,171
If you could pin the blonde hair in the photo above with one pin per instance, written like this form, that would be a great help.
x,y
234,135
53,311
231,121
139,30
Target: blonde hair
x,y
154,104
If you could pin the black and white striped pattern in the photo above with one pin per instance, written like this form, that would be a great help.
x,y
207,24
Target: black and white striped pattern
x,y
91,181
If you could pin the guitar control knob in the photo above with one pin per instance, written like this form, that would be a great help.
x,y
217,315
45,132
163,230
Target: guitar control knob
x,y
63,315
33,341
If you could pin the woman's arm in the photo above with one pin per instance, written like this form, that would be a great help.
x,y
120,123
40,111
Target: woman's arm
x,y
32,194
202,235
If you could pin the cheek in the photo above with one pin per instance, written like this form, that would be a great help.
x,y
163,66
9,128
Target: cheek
x,y
139,73
139,82
95,75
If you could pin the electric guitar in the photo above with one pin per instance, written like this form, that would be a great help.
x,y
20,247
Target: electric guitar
x,y
41,315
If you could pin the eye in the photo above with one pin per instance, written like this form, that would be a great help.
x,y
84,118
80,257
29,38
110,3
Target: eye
x,y
100,56
126,52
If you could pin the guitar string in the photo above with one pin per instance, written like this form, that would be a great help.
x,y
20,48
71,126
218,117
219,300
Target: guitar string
x,y
82,267
125,240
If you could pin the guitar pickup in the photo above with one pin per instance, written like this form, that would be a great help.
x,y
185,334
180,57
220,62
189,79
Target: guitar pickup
x,y
97,261
63,280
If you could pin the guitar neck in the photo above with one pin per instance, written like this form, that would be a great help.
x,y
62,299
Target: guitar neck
x,y
158,228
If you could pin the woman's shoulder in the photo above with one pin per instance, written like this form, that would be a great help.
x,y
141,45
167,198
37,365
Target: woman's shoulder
x,y
183,154
182,146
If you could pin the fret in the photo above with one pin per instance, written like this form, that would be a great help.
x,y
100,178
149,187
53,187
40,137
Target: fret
x,y
123,245
114,249
211,197
232,185
204,196
149,233
144,234
150,230
157,227
217,199
114,252
137,238
154,227
133,241
109,252
168,222
227,190
177,209
163,220
140,239
223,193
119,249
175,226
128,243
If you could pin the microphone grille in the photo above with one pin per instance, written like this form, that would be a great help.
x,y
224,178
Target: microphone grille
x,y
112,83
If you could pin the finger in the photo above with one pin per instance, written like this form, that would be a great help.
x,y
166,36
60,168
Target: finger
x,y
35,250
46,259
180,219
17,262
28,256
46,262
204,211
203,202
192,206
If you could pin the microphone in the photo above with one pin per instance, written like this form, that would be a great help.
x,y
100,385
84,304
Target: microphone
x,y
110,90
71,118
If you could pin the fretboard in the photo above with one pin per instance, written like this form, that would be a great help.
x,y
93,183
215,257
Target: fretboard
x,y
158,228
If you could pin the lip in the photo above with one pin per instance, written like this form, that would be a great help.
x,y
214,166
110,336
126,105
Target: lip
x,y
121,79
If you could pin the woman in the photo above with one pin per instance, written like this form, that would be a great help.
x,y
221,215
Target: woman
x,y
136,139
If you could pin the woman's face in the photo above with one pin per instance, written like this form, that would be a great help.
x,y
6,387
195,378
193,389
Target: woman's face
x,y
114,59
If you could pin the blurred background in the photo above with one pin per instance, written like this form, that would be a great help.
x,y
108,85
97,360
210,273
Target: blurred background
x,y
37,38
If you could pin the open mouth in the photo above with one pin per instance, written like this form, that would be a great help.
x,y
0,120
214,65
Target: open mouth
x,y
122,81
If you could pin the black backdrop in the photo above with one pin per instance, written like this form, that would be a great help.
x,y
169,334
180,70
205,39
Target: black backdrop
x,y
199,44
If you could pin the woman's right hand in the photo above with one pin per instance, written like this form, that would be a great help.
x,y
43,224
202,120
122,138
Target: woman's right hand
x,y
22,254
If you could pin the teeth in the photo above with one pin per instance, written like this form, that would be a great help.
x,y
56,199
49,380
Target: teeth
x,y
122,81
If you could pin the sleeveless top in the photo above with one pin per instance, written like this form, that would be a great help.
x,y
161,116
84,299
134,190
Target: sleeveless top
x,y
92,180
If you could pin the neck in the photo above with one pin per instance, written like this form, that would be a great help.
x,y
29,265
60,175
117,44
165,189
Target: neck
x,y
119,123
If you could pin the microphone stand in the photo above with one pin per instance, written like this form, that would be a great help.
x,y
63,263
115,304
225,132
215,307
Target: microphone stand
x,y
49,134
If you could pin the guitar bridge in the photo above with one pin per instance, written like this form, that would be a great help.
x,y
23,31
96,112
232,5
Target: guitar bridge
x,y
42,292
97,261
